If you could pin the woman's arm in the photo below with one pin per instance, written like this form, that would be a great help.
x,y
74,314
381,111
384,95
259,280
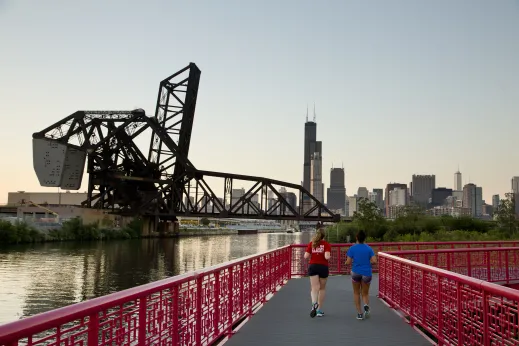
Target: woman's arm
x,y
307,255
373,259
348,260
327,255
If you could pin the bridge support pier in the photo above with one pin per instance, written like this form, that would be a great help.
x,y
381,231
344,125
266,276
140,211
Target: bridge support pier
x,y
289,223
169,227
151,225
148,225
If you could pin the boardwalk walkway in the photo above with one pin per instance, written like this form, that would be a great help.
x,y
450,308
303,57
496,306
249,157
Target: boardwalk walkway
x,y
285,320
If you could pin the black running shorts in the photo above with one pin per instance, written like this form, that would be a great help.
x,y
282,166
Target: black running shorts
x,y
318,269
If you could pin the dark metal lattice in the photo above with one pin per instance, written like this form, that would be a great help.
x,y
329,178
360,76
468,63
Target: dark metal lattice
x,y
165,184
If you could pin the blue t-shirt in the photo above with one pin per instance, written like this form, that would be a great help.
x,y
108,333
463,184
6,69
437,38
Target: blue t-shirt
x,y
361,255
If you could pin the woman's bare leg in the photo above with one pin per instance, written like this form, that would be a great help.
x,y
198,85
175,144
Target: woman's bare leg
x,y
356,296
365,293
315,286
322,291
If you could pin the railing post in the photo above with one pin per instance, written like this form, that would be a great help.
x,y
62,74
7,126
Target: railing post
x,y
515,264
487,257
400,279
216,306
339,260
291,266
142,321
258,282
230,301
469,264
507,266
449,258
288,266
277,271
251,298
242,310
381,277
198,326
392,283
459,330
486,334
411,292
93,329
440,311
270,266
176,316
424,294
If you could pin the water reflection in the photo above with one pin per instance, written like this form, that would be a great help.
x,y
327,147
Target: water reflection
x,y
41,277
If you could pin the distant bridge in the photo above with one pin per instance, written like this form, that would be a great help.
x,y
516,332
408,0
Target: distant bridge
x,y
162,184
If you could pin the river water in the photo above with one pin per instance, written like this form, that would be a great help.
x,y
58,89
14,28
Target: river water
x,y
41,277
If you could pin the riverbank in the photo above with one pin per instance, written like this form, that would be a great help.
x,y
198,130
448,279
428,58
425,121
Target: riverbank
x,y
224,231
190,232
75,231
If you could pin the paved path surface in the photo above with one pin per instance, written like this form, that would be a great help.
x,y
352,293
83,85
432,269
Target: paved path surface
x,y
285,320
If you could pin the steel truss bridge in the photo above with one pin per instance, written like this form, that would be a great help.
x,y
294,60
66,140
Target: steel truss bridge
x,y
159,183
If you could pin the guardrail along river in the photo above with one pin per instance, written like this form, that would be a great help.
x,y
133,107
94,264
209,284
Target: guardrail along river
x,y
40,277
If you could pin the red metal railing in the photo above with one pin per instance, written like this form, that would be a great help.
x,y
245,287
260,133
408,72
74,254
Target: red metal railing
x,y
455,309
201,307
191,309
338,255
491,264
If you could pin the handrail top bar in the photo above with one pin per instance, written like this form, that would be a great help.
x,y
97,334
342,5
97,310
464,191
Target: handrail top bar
x,y
492,288
46,320
432,251
423,243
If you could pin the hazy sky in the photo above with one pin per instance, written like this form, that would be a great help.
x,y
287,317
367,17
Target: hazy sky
x,y
401,87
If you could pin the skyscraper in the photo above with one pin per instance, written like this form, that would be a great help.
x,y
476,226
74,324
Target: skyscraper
x,y
423,185
439,195
457,181
515,196
379,199
495,202
391,187
473,199
316,175
362,192
309,149
312,150
336,196
515,185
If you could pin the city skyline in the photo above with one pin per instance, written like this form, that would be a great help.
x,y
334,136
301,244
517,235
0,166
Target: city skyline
x,y
410,89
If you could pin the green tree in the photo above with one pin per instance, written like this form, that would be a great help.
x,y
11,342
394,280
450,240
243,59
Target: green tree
x,y
409,219
204,221
369,219
506,218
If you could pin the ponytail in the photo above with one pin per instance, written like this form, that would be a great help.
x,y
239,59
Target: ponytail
x,y
319,235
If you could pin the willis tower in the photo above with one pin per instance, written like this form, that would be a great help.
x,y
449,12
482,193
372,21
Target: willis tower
x,y
312,164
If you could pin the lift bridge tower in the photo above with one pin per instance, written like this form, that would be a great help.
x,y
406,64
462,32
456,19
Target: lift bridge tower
x,y
158,182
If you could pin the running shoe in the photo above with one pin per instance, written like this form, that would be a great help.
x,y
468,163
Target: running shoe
x,y
360,316
320,313
366,311
314,310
